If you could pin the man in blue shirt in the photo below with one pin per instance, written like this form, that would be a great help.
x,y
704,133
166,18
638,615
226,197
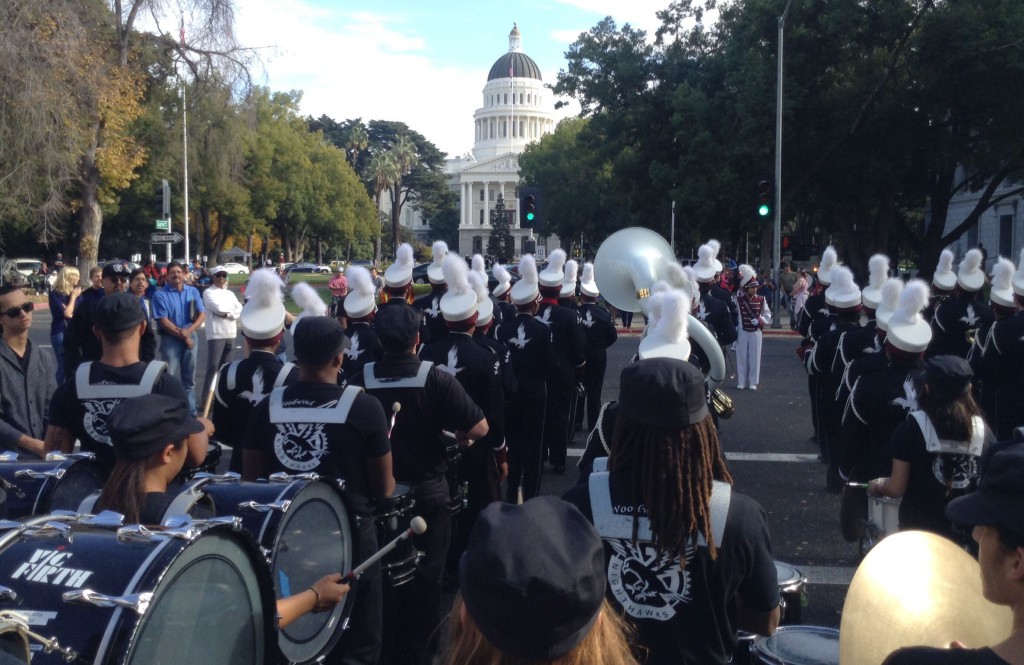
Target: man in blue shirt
x,y
179,311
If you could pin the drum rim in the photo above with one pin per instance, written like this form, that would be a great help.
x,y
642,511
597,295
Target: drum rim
x,y
46,486
795,579
758,645
49,486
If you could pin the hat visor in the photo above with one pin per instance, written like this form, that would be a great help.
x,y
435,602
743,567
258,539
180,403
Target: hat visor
x,y
971,282
111,326
945,281
976,508
500,289
188,427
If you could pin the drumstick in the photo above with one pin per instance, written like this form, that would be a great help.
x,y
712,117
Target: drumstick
x,y
857,485
395,408
209,395
418,526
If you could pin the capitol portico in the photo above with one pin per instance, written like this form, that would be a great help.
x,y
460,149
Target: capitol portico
x,y
516,111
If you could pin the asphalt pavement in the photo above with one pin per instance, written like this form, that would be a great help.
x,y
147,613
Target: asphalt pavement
x,y
771,457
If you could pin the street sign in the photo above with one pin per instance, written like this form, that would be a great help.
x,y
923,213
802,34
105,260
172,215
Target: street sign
x,y
163,225
158,238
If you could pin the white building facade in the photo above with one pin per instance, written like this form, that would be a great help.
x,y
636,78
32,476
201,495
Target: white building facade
x,y
516,111
1000,229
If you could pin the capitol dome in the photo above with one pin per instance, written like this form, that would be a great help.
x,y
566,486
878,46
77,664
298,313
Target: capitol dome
x,y
521,65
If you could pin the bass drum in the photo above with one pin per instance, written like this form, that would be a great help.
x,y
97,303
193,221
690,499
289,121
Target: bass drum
x,y
798,645
306,529
108,595
39,487
392,517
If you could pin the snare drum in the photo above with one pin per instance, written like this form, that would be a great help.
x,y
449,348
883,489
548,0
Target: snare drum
x,y
792,591
214,451
798,645
883,516
392,517
39,487
306,529
132,596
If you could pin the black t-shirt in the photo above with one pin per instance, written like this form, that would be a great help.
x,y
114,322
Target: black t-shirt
x,y
156,506
924,503
87,417
476,369
336,450
420,452
25,358
933,656
532,352
254,378
688,617
364,348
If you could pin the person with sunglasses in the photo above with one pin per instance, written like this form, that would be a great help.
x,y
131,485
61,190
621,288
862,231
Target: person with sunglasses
x,y
222,324
28,376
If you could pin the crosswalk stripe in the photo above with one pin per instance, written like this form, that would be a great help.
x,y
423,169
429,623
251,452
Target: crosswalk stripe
x,y
746,457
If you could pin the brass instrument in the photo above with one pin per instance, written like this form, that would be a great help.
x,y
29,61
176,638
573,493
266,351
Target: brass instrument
x,y
971,334
722,404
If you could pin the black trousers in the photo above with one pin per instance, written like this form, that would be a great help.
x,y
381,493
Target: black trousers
x,y
361,643
593,380
413,611
524,432
556,420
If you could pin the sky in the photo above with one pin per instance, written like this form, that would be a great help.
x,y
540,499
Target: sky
x,y
421,62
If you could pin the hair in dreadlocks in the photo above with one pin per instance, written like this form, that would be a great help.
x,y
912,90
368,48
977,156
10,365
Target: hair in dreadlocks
x,y
672,470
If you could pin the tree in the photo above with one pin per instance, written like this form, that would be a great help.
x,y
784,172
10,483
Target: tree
x,y
500,243
382,171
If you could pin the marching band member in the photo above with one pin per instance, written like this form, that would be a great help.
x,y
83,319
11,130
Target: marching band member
x,y
1004,307
711,311
815,310
360,310
1002,365
430,304
600,334
315,426
398,278
861,340
943,283
502,298
963,311
567,296
754,315
244,383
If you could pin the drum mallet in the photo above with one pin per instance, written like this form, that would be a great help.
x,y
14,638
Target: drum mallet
x,y
210,393
417,526
395,408
858,485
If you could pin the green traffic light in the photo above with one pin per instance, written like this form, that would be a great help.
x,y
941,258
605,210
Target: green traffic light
x,y
529,216
763,210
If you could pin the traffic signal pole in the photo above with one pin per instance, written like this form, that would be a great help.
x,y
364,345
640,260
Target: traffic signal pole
x,y
777,234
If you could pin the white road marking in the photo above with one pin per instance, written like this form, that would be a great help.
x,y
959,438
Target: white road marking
x,y
804,458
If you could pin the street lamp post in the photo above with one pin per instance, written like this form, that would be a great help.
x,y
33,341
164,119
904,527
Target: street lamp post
x,y
777,231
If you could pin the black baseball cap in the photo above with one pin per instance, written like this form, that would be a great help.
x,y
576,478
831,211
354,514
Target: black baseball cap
x,y
317,339
115,312
947,376
664,392
141,426
116,269
999,499
532,577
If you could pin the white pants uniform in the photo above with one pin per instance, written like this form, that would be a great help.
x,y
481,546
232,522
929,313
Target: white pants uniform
x,y
748,352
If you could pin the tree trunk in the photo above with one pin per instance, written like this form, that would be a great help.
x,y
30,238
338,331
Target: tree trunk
x,y
396,214
91,215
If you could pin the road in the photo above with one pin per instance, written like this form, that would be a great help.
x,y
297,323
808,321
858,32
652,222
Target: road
x,y
771,458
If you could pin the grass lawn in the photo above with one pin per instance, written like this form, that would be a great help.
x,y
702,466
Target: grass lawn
x,y
318,281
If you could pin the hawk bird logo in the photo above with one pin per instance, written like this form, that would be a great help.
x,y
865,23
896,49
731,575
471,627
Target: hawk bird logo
x,y
909,400
520,340
299,446
588,320
702,312
257,394
971,318
648,586
452,366
435,308
95,420
353,351
546,317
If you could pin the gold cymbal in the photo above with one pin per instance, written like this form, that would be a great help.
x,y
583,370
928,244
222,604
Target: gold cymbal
x,y
917,588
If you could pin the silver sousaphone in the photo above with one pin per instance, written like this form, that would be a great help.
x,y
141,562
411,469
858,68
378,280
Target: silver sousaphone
x,y
628,263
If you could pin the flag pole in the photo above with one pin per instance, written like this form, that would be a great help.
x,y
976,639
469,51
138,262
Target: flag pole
x,y
184,135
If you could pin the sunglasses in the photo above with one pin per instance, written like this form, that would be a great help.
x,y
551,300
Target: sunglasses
x,y
15,312
118,278
221,275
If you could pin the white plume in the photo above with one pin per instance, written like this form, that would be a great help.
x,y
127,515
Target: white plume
x,y
706,256
878,270
674,317
403,257
456,274
478,284
478,264
691,276
440,251
572,269
661,286
556,262
306,297
528,268
501,274
946,261
911,303
842,281
658,291
588,272
359,281
891,290
715,247
829,258
676,276
264,288
1002,274
972,261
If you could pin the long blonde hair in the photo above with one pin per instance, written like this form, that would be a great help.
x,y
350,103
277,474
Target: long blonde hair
x,y
607,643
65,282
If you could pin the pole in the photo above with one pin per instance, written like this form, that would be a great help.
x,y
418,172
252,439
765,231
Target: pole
x,y
777,232
184,135
672,232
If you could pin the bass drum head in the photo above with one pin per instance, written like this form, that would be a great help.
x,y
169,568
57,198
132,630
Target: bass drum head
x,y
315,537
80,479
210,607
798,645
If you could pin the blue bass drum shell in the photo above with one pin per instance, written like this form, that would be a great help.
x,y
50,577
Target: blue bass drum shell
x,y
39,487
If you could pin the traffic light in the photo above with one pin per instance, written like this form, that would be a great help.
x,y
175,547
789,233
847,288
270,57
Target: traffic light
x,y
162,199
787,242
764,198
529,207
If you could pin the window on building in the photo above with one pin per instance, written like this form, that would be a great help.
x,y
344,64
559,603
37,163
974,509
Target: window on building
x,y
522,127
481,193
1005,235
481,217
506,98
478,244
504,129
520,98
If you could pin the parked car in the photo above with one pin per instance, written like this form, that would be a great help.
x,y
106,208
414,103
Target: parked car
x,y
363,263
306,266
492,282
419,274
235,268
18,271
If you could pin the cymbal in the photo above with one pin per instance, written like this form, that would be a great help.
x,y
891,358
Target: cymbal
x,y
917,588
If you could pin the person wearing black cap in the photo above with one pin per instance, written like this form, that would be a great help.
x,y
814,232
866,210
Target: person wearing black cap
x,y
80,406
431,402
80,342
150,434
680,545
315,426
996,513
536,599
937,449
243,384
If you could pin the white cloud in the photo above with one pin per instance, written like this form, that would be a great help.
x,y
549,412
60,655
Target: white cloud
x,y
638,13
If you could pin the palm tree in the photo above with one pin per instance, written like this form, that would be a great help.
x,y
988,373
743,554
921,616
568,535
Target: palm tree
x,y
382,171
356,143
405,156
